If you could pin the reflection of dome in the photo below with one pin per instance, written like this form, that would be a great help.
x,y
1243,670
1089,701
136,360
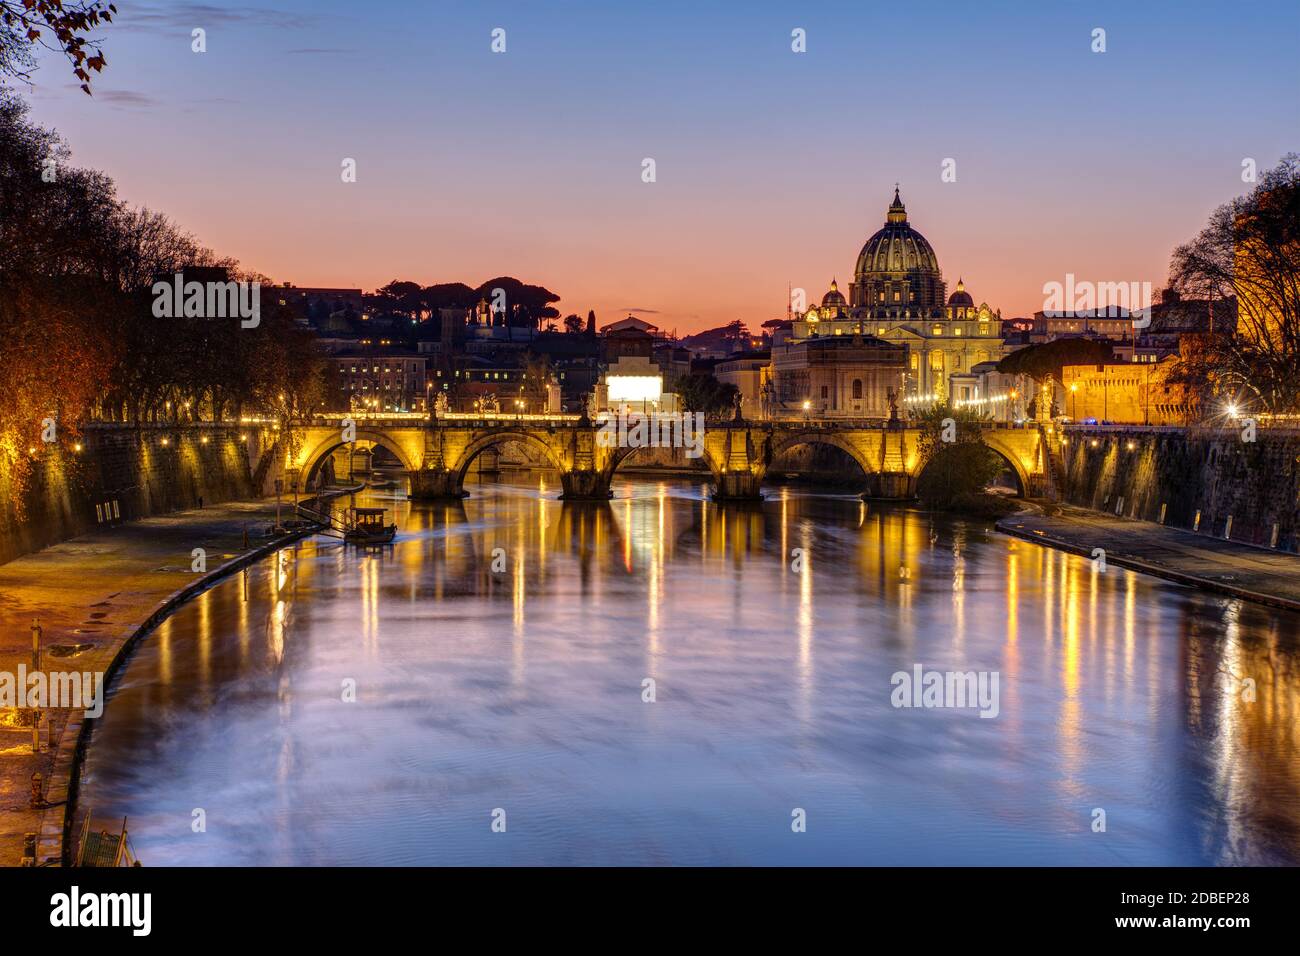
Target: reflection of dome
x,y
834,299
897,247
961,297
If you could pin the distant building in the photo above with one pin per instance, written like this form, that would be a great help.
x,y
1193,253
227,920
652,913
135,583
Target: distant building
x,y
674,361
835,376
630,337
378,376
748,371
311,298
1130,393
898,296
1107,323
636,383
998,396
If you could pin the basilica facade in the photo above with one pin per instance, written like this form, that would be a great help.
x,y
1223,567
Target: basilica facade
x,y
898,295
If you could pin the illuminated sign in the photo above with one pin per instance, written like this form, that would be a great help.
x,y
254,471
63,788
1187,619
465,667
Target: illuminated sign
x,y
634,388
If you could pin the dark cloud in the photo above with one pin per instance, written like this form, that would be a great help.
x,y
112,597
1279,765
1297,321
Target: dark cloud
x,y
129,98
641,311
170,17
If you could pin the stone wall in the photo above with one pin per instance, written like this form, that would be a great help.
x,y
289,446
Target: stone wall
x,y
122,473
1134,471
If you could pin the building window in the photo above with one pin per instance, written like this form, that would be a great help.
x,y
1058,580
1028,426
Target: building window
x,y
826,391
937,330
857,388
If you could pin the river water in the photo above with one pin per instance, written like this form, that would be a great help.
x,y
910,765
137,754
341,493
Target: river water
x,y
511,688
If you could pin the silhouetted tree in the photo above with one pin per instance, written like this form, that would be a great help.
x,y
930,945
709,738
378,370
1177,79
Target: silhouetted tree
x,y
1249,252
61,26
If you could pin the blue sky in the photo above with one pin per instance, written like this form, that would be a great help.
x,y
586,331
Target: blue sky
x,y
772,167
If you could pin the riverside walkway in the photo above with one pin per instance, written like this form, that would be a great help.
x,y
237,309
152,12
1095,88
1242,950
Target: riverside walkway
x,y
1197,560
99,590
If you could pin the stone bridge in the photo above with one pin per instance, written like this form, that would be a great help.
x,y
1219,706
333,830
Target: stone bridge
x,y
437,455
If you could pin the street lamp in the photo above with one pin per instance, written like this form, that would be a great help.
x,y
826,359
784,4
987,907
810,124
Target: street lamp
x,y
807,407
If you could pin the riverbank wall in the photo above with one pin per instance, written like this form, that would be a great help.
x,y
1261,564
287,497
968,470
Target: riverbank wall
x,y
1222,482
113,473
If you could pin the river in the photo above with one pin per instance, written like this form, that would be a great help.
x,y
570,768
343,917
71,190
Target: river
x,y
404,706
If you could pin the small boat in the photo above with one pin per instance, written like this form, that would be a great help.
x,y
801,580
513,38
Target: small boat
x,y
366,526
104,848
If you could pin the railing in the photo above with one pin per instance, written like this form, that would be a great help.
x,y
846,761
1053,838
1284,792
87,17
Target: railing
x,y
1202,429
482,420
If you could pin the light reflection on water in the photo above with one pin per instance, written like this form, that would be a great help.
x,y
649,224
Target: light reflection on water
x,y
522,690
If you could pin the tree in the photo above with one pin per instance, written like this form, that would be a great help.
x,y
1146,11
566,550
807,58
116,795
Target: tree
x,y
957,474
573,324
955,462
78,336
61,26
1044,363
526,305
933,423
701,392
1249,251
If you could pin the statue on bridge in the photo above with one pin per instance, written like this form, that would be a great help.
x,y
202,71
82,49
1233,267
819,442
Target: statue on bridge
x,y
891,396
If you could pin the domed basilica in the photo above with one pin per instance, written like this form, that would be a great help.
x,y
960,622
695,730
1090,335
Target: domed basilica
x,y
898,295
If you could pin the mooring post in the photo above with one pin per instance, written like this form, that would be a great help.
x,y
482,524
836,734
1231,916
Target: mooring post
x,y
36,666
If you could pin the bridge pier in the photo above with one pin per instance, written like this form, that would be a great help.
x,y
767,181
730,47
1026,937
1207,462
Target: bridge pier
x,y
890,486
737,486
436,483
586,484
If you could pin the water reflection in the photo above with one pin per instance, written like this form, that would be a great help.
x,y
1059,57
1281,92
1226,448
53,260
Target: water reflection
x,y
498,649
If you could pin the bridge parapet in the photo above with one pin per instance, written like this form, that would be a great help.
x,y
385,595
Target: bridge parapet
x,y
438,454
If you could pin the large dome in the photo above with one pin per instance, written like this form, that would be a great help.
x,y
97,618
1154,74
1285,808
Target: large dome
x,y
897,247
897,274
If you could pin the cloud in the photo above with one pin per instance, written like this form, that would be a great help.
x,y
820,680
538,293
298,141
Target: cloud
x,y
129,98
184,17
640,311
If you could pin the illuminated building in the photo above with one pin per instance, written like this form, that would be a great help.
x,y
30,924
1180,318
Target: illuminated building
x,y
835,376
898,296
1127,393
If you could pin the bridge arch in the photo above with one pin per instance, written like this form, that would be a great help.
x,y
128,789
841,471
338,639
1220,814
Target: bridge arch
x,y
1019,448
324,448
779,446
549,448
619,455
1011,460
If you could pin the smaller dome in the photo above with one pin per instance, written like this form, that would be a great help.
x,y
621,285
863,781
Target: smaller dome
x,y
961,296
833,299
